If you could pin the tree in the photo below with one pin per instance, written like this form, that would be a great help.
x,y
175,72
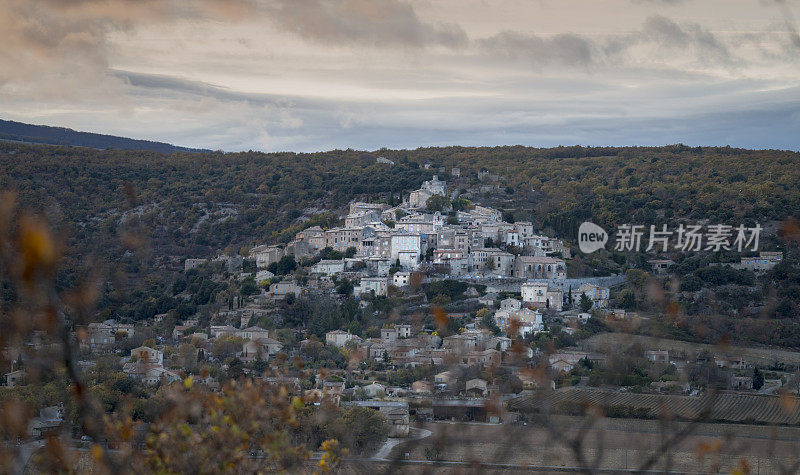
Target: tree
x,y
248,286
359,428
487,320
437,203
586,303
626,299
758,379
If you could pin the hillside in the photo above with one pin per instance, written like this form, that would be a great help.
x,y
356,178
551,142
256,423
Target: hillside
x,y
42,134
138,215
194,204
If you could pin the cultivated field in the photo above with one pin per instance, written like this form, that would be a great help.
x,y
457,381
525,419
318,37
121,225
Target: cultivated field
x,y
761,356
612,444
725,406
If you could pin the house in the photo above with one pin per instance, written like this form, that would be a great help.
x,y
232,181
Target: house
x,y
403,330
660,266
49,422
253,333
535,293
460,343
657,356
264,347
404,352
401,278
555,298
99,334
339,338
741,382
328,267
421,223
764,261
263,275
397,419
190,264
489,357
159,374
373,348
374,389
266,255
223,330
389,334
15,378
178,331
562,366
406,248
488,299
145,354
280,290
376,285
539,267
526,320
566,360
500,343
421,387
445,377
419,198
476,387
456,260
598,294
542,294
332,391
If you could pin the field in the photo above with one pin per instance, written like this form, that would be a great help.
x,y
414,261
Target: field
x,y
613,444
727,406
761,356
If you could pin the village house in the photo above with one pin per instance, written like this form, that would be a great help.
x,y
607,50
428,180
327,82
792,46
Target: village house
x,y
266,255
280,290
374,389
253,333
657,356
377,285
526,320
263,347
538,267
339,338
401,278
14,378
419,198
476,387
598,294
190,264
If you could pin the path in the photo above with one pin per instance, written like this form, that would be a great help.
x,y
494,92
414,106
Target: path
x,y
392,442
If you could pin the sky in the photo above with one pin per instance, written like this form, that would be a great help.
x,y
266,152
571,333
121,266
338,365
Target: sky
x,y
314,75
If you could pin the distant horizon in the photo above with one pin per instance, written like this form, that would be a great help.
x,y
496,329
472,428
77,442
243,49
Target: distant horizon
x,y
378,149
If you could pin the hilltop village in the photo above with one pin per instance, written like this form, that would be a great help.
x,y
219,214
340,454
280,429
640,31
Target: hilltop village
x,y
423,309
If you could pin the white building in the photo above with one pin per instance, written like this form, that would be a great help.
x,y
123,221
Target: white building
x,y
401,278
406,248
378,285
339,338
328,267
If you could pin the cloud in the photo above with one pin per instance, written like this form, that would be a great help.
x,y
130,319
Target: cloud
x,y
66,41
364,22
659,40
563,49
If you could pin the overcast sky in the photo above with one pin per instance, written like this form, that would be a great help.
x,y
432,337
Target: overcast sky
x,y
309,75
